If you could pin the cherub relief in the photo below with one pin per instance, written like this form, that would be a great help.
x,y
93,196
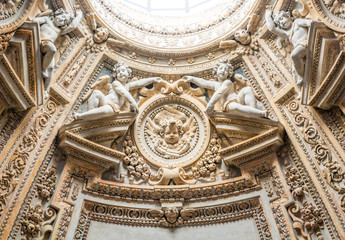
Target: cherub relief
x,y
101,38
242,41
296,32
53,25
171,132
233,93
108,99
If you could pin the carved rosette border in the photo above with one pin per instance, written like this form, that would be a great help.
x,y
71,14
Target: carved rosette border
x,y
250,208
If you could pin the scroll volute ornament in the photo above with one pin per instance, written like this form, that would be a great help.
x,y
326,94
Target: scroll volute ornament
x,y
173,214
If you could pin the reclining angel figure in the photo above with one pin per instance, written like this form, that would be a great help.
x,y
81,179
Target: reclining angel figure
x,y
232,92
108,99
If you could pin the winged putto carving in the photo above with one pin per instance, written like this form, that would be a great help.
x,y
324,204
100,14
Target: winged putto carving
x,y
171,132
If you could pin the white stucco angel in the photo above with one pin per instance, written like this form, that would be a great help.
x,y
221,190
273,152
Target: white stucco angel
x,y
52,25
233,93
107,99
296,32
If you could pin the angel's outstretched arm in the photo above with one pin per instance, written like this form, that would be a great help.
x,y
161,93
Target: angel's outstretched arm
x,y
271,25
73,24
202,82
304,22
143,82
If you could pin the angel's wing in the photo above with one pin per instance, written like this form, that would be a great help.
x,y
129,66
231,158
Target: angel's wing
x,y
189,127
232,44
61,44
240,82
102,84
152,129
253,23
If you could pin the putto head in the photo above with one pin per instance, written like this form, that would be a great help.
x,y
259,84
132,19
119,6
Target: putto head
x,y
171,130
282,19
101,35
62,18
223,70
242,36
122,72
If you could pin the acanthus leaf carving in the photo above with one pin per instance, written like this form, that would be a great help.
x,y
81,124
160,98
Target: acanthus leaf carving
x,y
332,171
306,217
16,165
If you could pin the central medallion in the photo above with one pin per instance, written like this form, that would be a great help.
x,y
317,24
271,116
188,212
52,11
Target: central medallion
x,y
172,132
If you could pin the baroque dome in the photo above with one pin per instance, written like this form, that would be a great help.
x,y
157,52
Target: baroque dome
x,y
173,32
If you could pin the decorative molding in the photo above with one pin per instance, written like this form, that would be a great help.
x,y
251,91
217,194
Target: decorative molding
x,y
173,217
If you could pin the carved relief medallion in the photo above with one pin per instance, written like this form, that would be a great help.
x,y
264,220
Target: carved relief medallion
x,y
172,132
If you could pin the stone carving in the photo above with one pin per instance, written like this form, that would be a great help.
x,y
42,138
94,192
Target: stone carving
x,y
242,43
101,35
64,222
232,92
108,99
332,171
337,7
75,192
335,176
171,132
46,184
294,31
31,224
306,218
74,71
207,165
9,8
16,166
4,39
57,23
47,226
136,166
172,214
100,39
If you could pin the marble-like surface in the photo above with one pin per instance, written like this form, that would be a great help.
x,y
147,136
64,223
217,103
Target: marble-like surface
x,y
242,229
